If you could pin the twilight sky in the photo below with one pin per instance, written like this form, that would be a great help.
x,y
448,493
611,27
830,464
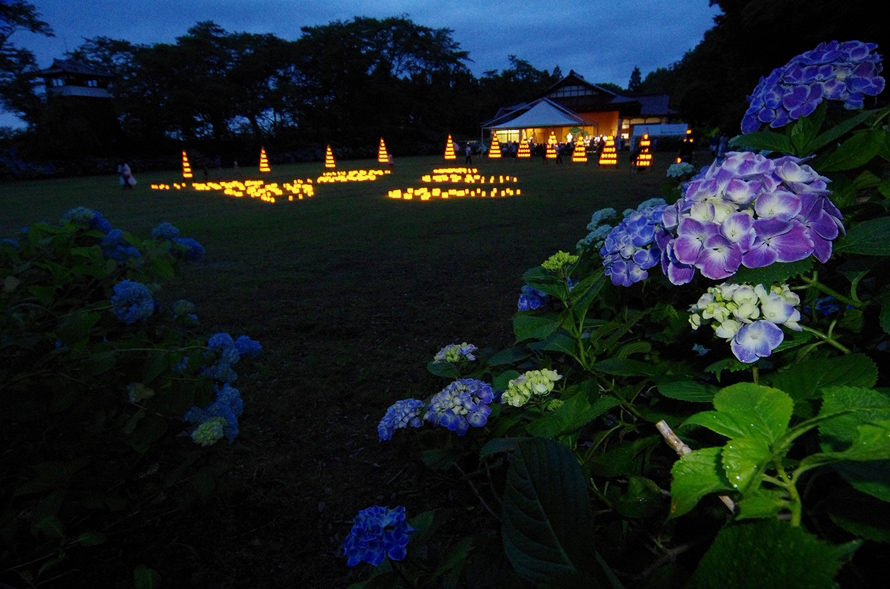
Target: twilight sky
x,y
603,40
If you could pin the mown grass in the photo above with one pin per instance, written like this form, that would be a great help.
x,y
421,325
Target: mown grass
x,y
350,294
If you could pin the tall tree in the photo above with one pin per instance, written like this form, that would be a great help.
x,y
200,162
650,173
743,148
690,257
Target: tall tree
x,y
635,84
18,65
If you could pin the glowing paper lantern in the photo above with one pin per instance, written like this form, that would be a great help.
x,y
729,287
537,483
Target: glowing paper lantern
x,y
264,161
449,150
644,158
579,155
524,150
608,156
329,162
551,146
382,155
495,151
186,168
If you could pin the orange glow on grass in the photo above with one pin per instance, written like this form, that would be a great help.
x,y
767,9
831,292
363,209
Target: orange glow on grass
x,y
471,185
351,176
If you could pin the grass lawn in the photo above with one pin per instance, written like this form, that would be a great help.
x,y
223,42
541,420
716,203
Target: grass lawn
x,y
350,293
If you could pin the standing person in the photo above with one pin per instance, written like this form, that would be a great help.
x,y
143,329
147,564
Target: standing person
x,y
468,161
236,171
218,163
126,176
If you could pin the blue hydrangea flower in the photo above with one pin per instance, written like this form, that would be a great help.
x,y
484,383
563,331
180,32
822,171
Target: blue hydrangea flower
x,y
190,249
531,298
455,353
845,72
401,414
462,404
631,249
115,247
132,301
165,231
377,532
247,347
86,219
224,346
227,405
10,241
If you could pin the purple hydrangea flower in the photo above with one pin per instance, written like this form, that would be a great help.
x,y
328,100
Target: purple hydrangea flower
x,y
631,247
462,404
86,219
401,414
531,299
756,340
377,532
749,211
132,301
841,71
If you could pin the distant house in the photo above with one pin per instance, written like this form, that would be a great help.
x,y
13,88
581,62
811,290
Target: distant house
x,y
577,107
66,77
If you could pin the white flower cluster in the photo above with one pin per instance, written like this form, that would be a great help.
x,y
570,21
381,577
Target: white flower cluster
x,y
533,383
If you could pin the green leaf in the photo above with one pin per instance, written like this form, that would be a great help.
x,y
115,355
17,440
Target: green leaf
x,y
694,476
547,519
545,281
870,238
860,514
805,380
575,413
778,272
760,140
91,539
643,498
743,461
76,326
587,291
871,443
624,460
758,503
624,367
857,406
443,369
51,526
146,578
502,380
767,554
560,342
511,355
688,390
747,410
534,326
852,153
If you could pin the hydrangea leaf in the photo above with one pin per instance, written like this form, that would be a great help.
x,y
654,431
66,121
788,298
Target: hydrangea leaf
x,y
767,553
777,272
852,153
762,412
760,140
547,518
576,412
694,476
587,291
146,578
860,514
871,238
545,281
855,406
558,342
834,132
511,355
626,367
537,327
643,498
805,380
761,502
688,390
444,369
743,461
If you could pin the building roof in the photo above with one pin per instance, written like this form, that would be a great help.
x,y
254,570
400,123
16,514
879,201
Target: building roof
x,y
540,113
70,66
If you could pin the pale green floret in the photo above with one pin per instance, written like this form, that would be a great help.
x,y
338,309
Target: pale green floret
x,y
139,392
533,383
558,261
209,432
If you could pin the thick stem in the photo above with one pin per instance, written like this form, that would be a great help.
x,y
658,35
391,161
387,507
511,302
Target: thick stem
x,y
827,339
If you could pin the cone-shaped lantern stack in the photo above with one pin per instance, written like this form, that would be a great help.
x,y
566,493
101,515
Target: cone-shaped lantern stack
x,y
495,151
608,155
329,163
449,150
186,168
382,155
264,161
579,155
524,150
644,159
551,146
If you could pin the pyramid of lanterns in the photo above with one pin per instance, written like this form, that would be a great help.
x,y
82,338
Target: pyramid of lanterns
x,y
551,146
382,155
644,158
186,168
608,155
524,149
329,162
449,150
264,161
495,151
579,154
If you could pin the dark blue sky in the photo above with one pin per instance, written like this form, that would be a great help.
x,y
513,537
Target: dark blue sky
x,y
603,40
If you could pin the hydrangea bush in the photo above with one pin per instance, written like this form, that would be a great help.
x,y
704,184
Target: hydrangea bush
x,y
112,398
707,375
